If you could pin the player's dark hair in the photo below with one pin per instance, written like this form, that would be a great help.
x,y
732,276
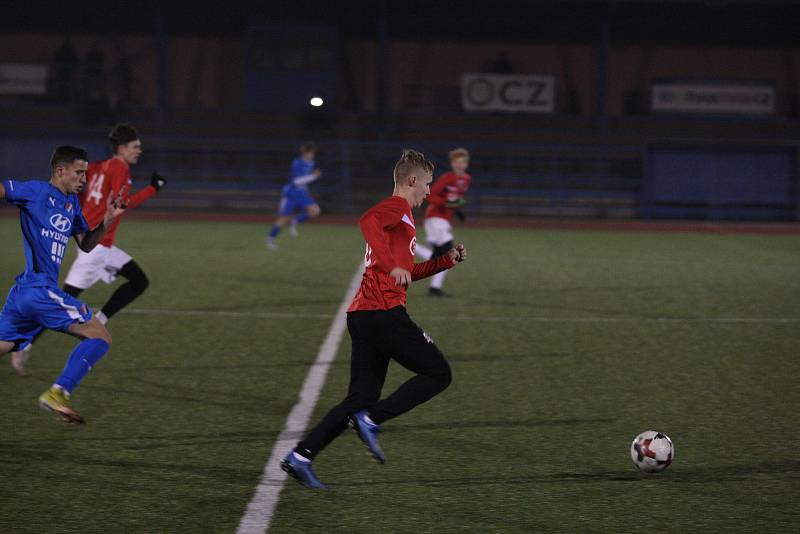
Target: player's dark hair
x,y
65,154
122,133
411,161
308,146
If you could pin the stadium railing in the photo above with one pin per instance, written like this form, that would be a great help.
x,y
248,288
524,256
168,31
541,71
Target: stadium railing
x,y
246,174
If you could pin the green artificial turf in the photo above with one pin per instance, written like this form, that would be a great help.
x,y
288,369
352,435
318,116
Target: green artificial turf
x,y
564,346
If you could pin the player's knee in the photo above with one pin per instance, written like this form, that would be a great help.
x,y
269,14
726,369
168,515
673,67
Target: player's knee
x,y
443,376
136,278
141,282
100,333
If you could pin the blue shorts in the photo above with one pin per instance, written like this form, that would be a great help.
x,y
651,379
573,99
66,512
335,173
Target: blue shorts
x,y
294,199
30,309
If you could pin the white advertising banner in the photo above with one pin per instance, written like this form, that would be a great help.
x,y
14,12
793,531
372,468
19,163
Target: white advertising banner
x,y
714,98
520,93
23,79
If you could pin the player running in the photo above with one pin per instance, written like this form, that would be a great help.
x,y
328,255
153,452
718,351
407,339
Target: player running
x,y
49,214
295,196
379,326
106,179
445,201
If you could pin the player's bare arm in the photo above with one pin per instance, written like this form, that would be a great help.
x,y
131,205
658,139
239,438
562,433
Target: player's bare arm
x,y
2,191
115,207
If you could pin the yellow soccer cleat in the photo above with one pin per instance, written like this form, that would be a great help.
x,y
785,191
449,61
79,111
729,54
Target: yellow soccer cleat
x,y
56,400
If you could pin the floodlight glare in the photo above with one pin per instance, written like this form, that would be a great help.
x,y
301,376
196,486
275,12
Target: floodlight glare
x,y
316,102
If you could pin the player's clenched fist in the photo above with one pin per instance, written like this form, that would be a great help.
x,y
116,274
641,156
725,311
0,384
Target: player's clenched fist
x,y
458,254
157,181
401,276
114,208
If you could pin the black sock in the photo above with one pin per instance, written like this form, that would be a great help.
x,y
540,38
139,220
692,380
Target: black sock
x,y
127,292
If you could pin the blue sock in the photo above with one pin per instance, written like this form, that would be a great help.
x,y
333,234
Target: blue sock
x,y
302,218
83,358
275,231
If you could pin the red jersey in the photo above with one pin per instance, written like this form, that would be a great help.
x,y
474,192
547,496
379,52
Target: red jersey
x,y
104,179
449,187
388,228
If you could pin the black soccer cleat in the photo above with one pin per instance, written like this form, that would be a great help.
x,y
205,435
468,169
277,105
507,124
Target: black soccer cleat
x,y
436,292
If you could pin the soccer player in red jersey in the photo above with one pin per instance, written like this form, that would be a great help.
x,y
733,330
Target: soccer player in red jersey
x,y
106,179
445,201
380,327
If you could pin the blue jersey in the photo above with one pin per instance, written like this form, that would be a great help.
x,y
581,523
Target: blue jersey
x,y
48,218
300,168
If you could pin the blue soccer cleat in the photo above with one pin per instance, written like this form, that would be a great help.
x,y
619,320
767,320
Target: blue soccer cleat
x,y
368,432
301,471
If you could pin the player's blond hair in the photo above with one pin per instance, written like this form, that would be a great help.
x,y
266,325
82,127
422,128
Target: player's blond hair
x,y
458,153
410,162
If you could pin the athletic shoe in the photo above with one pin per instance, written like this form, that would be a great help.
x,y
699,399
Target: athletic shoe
x,y
19,359
436,292
368,432
301,471
293,228
270,242
56,400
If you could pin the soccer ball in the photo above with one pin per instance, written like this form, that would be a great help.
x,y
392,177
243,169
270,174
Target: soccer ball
x,y
652,451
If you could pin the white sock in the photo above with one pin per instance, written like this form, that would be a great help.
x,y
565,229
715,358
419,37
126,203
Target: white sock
x,y
300,457
424,252
437,281
101,317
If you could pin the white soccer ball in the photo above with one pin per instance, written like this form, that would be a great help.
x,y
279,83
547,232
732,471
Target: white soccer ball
x,y
652,451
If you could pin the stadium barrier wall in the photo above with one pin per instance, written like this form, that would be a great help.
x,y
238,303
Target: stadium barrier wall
x,y
510,179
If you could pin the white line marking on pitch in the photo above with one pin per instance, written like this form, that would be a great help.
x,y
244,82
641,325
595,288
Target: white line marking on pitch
x,y
531,318
259,512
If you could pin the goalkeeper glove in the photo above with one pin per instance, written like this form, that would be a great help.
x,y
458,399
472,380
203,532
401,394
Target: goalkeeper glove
x,y
157,181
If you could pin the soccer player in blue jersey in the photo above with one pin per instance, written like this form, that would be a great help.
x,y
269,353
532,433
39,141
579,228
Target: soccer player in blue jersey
x,y
49,214
297,205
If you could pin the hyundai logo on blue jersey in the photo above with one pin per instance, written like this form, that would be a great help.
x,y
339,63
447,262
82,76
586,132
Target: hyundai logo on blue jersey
x,y
60,223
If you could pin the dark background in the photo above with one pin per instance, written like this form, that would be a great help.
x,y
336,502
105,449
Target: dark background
x,y
220,93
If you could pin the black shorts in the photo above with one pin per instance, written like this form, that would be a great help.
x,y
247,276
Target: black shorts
x,y
380,335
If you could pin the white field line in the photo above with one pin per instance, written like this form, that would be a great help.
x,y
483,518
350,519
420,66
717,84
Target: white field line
x,y
470,318
259,511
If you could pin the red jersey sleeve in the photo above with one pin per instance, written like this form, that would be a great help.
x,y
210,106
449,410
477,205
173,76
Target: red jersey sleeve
x,y
118,183
373,225
140,196
431,267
